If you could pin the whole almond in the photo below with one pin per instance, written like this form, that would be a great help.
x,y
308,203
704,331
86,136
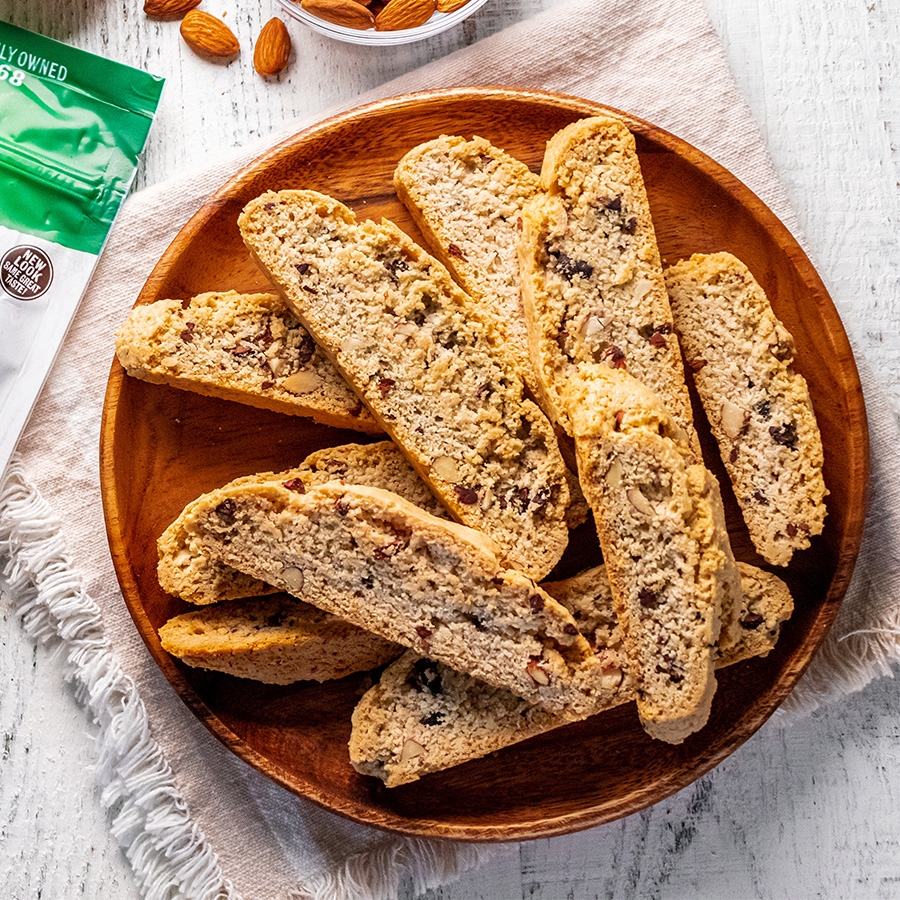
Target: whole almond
x,y
208,36
347,13
169,9
273,48
399,15
449,6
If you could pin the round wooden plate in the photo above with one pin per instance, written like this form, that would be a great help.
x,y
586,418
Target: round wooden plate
x,y
162,447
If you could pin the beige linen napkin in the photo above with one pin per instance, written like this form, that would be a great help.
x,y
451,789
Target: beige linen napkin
x,y
191,817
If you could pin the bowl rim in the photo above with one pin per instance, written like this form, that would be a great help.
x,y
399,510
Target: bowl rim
x,y
438,23
543,825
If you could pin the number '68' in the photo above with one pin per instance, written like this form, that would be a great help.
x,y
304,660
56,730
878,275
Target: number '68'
x,y
15,76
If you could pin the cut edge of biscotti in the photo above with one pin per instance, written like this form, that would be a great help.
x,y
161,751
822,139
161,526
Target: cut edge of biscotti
x,y
276,640
741,357
422,717
430,368
667,553
765,606
466,197
592,280
247,348
380,563
185,571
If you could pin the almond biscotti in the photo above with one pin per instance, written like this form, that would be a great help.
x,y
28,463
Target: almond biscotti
x,y
249,348
432,371
669,563
758,407
466,197
276,640
766,605
423,717
185,571
589,598
592,280
382,564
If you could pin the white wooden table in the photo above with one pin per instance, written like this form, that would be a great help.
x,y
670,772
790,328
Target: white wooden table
x,y
808,812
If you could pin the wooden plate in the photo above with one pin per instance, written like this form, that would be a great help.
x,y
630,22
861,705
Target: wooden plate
x,y
162,447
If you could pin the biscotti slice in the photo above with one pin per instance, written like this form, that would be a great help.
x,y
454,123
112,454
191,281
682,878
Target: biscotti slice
x,y
276,640
466,197
662,543
384,565
382,465
423,717
592,280
766,605
186,572
249,348
758,407
410,342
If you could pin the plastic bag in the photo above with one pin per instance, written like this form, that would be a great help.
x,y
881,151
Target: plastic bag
x,y
72,128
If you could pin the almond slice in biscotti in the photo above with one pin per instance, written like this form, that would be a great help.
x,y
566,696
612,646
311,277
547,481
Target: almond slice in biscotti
x,y
276,640
429,367
758,407
667,556
382,564
592,281
249,348
424,717
466,197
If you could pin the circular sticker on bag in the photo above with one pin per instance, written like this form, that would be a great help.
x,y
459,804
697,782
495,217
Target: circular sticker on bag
x,y
26,273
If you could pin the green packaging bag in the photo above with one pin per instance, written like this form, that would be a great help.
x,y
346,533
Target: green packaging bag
x,y
72,128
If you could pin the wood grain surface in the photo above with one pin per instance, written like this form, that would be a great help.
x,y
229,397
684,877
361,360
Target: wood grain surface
x,y
163,443
807,812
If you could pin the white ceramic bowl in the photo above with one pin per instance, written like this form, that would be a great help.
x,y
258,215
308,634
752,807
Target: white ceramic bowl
x,y
435,25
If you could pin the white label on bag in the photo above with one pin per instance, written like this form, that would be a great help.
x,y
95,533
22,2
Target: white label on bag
x,y
41,285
